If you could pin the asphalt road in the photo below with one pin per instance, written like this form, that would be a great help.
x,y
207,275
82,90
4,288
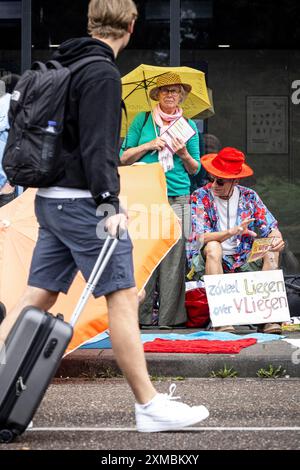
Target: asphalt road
x,y
98,415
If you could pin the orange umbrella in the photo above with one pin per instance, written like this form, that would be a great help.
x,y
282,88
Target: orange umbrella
x,y
153,226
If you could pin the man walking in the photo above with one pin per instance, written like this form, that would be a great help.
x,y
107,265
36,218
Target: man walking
x,y
66,212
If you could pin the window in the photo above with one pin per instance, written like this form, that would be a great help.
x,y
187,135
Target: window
x,y
150,43
10,37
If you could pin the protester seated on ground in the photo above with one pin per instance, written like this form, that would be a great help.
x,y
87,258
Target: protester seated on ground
x,y
226,217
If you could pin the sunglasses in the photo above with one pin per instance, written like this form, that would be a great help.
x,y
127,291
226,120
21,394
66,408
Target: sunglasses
x,y
219,181
166,91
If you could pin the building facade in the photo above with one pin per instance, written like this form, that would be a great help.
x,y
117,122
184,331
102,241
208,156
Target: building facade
x,y
249,50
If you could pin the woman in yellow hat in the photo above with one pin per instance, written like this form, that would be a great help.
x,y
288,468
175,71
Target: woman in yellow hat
x,y
144,143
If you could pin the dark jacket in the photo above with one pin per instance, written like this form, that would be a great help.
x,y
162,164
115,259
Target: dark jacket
x,y
92,121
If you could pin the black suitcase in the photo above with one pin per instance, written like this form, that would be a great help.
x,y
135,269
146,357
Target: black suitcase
x,y
33,351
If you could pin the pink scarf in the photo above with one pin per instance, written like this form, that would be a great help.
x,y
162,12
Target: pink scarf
x,y
165,156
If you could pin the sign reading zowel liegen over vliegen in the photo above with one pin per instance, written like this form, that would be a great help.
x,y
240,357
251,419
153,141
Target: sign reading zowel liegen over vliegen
x,y
247,298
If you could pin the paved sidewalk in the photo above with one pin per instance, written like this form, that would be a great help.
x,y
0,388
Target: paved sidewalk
x,y
92,363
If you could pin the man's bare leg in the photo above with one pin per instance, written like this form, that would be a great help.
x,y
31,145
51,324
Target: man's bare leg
x,y
34,296
213,258
270,262
213,265
126,342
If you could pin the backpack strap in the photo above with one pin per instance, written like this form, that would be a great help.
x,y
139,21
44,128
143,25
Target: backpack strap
x,y
39,66
123,106
54,64
147,114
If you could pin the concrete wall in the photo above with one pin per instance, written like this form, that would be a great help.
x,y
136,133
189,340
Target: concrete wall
x,y
235,74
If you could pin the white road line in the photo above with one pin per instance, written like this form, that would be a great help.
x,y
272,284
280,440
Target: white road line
x,y
188,429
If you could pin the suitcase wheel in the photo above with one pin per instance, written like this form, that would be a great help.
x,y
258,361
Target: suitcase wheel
x,y
6,436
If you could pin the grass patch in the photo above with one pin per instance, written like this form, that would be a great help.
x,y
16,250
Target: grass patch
x,y
224,373
158,378
271,373
106,373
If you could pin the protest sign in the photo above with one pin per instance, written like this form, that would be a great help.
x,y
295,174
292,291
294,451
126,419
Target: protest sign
x,y
247,298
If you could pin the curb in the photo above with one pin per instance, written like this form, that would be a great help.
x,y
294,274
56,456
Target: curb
x,y
95,363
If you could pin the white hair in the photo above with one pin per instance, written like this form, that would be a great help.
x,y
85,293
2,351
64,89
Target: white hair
x,y
183,94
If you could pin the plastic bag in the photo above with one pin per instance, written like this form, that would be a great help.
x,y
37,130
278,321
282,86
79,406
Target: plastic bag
x,y
197,308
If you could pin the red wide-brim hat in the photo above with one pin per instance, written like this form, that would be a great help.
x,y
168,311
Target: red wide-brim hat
x,y
229,163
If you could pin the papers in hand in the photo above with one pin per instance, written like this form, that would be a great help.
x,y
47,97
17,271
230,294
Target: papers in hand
x,y
259,248
180,129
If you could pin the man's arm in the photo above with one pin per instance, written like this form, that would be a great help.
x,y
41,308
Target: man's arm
x,y
99,127
278,243
241,229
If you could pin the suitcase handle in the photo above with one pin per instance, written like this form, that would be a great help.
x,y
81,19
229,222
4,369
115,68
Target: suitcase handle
x,y
101,263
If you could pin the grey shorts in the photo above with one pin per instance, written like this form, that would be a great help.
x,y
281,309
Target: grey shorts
x,y
68,242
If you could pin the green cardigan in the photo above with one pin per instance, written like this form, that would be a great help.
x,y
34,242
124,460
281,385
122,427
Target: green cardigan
x,y
178,181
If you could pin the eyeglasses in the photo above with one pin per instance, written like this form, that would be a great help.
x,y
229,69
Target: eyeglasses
x,y
166,91
219,181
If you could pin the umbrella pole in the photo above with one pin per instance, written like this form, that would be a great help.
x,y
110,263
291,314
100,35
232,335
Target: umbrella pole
x,y
154,124
151,111
150,105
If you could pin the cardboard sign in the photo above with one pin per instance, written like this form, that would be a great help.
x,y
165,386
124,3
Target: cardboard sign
x,y
259,248
247,298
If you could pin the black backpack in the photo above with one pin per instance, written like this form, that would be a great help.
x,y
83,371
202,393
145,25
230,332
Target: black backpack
x,y
31,156
292,285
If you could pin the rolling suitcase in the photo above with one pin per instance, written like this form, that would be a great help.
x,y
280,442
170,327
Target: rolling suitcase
x,y
33,351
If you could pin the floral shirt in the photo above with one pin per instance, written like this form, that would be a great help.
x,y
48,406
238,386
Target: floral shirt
x,y
205,219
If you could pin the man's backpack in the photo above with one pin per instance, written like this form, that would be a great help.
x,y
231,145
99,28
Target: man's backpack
x,y
31,156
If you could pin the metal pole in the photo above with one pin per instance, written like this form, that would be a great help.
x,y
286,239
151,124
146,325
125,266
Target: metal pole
x,y
26,35
175,33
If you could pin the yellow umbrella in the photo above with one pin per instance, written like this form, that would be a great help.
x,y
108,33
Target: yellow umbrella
x,y
136,86
209,112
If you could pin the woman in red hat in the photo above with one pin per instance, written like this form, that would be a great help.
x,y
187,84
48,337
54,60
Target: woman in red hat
x,y
225,218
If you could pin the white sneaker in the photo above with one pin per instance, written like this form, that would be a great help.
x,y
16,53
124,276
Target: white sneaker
x,y
163,414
